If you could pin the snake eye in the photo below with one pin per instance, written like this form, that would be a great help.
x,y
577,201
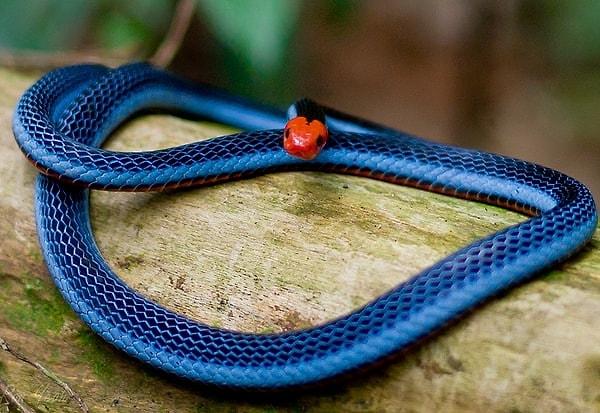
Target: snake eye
x,y
287,133
320,141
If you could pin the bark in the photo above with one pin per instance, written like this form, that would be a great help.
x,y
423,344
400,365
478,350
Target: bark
x,y
281,252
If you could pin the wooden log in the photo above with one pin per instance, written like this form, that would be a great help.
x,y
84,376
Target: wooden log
x,y
282,252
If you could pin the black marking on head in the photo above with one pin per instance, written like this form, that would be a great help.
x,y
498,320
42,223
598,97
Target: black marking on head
x,y
310,109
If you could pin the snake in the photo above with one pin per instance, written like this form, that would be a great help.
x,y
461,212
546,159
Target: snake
x,y
61,121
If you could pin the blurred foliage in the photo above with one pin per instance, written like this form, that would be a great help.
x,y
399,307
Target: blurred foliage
x,y
259,34
577,31
255,37
62,25
567,34
28,24
254,34
568,31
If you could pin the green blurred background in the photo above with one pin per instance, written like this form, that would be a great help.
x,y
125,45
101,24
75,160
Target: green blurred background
x,y
519,77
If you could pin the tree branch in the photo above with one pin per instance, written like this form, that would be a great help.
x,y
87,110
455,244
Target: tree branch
x,y
180,23
4,346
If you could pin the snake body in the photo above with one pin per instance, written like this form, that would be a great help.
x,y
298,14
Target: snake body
x,y
60,122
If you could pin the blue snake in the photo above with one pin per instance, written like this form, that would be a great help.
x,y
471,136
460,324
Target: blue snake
x,y
60,122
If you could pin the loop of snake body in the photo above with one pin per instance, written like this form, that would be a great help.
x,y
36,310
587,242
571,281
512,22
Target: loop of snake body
x,y
61,121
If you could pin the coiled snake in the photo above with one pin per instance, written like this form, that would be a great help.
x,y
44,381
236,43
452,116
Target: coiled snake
x,y
60,122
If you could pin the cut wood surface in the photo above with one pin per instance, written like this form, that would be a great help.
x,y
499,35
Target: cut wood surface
x,y
282,252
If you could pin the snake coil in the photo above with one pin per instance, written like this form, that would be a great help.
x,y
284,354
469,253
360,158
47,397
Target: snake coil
x,y
61,121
